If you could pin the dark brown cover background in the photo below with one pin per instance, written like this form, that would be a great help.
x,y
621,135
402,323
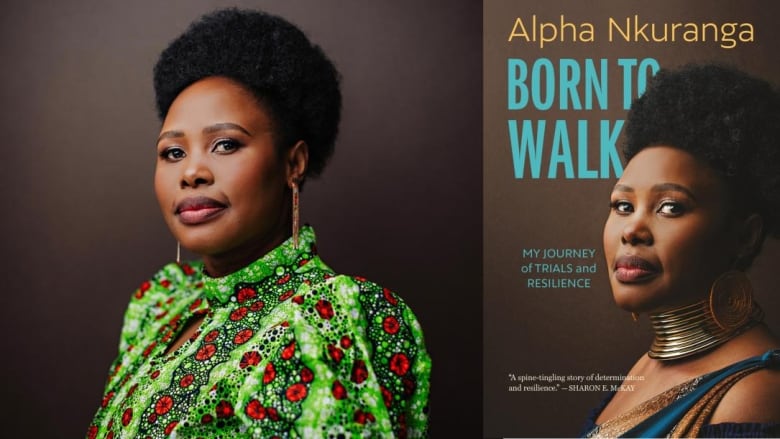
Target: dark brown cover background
x,y
399,202
578,331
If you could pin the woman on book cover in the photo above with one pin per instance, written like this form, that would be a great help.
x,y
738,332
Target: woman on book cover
x,y
699,194
261,338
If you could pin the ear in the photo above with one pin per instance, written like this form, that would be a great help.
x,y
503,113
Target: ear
x,y
749,237
297,160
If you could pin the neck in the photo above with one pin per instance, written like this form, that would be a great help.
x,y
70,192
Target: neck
x,y
229,262
694,329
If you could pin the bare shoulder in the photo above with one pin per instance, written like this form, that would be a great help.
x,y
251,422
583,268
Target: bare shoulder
x,y
755,398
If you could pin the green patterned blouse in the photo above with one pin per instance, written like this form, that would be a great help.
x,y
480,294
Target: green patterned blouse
x,y
287,349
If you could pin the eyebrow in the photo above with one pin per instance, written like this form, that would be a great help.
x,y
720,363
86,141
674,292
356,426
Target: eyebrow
x,y
661,187
208,130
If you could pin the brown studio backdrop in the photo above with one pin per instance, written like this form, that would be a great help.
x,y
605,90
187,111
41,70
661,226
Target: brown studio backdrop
x,y
567,331
399,202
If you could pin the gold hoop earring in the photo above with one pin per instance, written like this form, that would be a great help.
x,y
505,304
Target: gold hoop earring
x,y
731,300
295,213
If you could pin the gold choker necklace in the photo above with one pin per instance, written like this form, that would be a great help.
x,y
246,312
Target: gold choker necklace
x,y
693,329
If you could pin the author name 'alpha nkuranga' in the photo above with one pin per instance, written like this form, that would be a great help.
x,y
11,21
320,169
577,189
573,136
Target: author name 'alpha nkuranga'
x,y
632,29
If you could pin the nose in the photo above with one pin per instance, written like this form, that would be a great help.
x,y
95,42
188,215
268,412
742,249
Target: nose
x,y
196,173
637,231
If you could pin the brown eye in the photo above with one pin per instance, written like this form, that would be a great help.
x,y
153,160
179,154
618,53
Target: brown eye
x,y
671,208
226,146
172,154
621,207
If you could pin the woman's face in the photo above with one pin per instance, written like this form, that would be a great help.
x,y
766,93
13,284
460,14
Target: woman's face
x,y
221,184
667,237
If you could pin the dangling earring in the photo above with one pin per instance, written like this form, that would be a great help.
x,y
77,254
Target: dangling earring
x,y
295,213
178,252
635,316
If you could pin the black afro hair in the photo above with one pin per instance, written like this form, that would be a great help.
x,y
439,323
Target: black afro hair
x,y
291,77
724,117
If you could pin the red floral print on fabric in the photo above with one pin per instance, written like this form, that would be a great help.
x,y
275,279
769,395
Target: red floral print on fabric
x,y
335,353
243,336
361,417
391,325
163,405
285,378
224,409
359,371
386,396
338,390
186,380
149,349
325,309
211,336
107,398
188,270
196,304
245,294
169,428
307,375
255,410
296,392
132,390
269,374
389,296
251,358
139,293
399,363
206,352
257,306
127,416
92,432
288,351
409,386
239,314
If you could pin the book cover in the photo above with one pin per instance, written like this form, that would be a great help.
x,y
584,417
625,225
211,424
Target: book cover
x,y
559,78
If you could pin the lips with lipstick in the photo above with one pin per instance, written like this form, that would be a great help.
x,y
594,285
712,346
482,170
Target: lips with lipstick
x,y
197,210
633,269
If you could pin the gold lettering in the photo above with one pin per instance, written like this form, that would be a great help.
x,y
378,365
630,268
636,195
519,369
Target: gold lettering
x,y
639,30
586,33
748,37
614,25
711,26
656,38
727,31
691,34
523,33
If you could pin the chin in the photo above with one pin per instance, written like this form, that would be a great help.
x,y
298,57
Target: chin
x,y
201,243
634,298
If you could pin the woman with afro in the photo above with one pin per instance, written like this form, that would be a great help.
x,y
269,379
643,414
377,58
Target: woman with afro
x,y
260,338
700,193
